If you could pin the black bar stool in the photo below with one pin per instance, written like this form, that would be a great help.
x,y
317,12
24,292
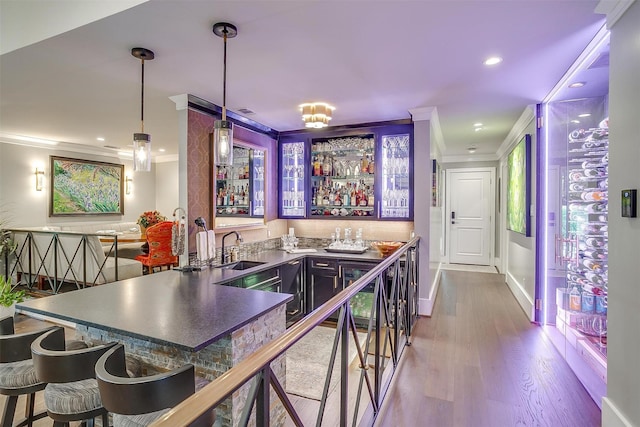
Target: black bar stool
x,y
141,401
17,373
72,390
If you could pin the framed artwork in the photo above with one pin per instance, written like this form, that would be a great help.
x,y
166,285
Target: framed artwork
x,y
435,183
519,187
85,187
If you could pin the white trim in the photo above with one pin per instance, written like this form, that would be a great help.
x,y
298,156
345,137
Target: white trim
x,y
425,305
612,416
525,119
470,158
614,9
492,210
521,295
167,158
430,113
421,113
601,36
181,101
497,263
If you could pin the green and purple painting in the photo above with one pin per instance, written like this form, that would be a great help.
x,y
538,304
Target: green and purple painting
x,y
83,187
518,188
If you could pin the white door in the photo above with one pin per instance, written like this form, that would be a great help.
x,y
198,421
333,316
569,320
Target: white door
x,y
469,211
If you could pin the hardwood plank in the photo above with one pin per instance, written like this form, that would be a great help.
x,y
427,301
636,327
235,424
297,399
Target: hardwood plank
x,y
506,370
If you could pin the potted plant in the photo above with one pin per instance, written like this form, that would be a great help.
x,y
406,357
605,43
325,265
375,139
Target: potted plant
x,y
9,298
149,218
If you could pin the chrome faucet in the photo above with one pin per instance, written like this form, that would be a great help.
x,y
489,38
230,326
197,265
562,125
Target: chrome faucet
x,y
224,258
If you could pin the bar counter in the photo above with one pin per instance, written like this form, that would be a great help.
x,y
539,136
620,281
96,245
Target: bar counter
x,y
173,318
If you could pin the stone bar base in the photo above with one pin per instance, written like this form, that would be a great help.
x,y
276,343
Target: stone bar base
x,y
211,361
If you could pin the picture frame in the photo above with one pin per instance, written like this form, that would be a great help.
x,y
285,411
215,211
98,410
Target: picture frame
x,y
519,187
85,187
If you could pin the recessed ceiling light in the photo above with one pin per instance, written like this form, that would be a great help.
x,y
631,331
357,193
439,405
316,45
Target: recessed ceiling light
x,y
478,129
584,115
577,84
575,121
477,124
100,138
493,60
162,150
471,150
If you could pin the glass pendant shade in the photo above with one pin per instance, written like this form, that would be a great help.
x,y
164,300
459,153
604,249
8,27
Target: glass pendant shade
x,y
223,142
141,152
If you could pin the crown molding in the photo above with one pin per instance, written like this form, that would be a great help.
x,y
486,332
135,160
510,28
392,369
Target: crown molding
x,y
166,158
431,114
76,148
181,101
614,9
525,119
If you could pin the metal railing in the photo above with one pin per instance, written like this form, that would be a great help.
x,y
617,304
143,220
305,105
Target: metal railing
x,y
48,259
393,313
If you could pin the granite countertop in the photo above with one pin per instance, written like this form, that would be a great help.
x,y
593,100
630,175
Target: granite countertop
x,y
185,310
189,310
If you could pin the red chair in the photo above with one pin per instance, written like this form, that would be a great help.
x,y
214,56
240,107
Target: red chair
x,y
159,240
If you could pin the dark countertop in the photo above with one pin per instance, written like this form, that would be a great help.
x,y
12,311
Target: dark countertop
x,y
189,310
185,310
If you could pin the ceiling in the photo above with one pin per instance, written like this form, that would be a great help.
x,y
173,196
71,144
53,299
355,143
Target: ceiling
x,y
373,60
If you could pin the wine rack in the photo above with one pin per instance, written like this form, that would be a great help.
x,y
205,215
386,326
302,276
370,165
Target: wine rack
x,y
584,248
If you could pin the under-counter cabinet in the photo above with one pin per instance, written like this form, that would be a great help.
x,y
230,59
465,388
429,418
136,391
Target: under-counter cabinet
x,y
364,173
293,283
323,282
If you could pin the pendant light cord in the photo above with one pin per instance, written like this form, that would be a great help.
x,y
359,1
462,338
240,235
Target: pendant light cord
x,y
142,97
224,78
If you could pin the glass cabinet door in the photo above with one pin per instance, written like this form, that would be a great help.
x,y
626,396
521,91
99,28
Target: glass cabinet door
x,y
396,173
257,187
232,185
343,176
292,180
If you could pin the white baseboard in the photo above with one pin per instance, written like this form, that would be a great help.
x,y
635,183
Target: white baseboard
x,y
518,291
497,263
611,416
425,305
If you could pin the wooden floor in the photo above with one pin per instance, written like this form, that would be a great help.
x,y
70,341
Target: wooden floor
x,y
478,362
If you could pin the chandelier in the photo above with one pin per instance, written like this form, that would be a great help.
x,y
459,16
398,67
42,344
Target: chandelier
x,y
316,114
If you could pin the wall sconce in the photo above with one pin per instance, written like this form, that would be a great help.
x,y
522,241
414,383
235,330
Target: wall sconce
x,y
128,182
39,179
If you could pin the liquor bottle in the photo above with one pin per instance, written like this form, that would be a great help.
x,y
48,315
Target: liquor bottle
x,y
219,199
574,299
595,172
371,165
327,168
576,186
317,169
364,164
319,194
587,303
346,195
354,195
232,196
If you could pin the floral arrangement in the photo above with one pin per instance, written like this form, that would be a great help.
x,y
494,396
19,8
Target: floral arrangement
x,y
149,218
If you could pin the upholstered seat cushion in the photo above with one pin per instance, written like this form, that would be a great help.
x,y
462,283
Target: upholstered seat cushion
x,y
72,398
18,374
137,420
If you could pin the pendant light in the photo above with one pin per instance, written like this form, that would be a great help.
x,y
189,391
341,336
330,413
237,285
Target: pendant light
x,y
223,129
142,141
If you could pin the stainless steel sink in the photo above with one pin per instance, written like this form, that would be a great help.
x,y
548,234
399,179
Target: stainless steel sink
x,y
241,265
